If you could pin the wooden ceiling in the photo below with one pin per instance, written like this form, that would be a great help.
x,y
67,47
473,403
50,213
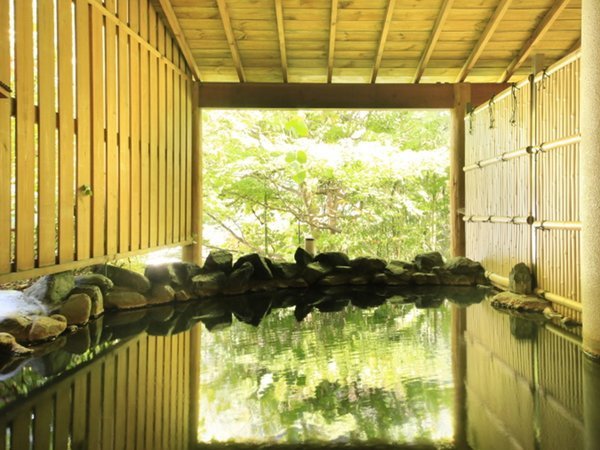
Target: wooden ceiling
x,y
367,41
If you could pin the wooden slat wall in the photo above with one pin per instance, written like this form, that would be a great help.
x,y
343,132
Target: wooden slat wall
x,y
111,403
508,185
91,165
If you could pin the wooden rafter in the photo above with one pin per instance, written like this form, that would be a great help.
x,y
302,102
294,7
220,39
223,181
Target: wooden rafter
x,y
538,34
383,39
332,33
433,38
576,46
281,34
173,24
484,39
235,53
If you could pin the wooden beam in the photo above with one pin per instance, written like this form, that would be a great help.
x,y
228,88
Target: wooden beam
x,y
484,39
433,38
326,95
281,34
332,33
175,28
576,46
538,34
383,39
235,53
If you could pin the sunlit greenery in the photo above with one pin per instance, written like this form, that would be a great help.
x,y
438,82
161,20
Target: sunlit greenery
x,y
364,182
352,376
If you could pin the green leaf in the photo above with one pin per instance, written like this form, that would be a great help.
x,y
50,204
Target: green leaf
x,y
301,156
297,127
290,157
300,177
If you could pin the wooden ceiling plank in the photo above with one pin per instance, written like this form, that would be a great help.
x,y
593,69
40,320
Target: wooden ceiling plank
x,y
175,27
332,33
281,34
538,34
383,39
231,41
484,39
433,38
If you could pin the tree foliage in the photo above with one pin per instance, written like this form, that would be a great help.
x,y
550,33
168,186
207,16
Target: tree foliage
x,y
364,182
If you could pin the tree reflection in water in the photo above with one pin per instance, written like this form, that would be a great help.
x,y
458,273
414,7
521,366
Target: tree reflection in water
x,y
355,375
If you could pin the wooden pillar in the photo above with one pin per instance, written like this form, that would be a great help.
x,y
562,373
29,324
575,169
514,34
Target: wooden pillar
x,y
195,347
589,167
459,374
193,253
591,406
462,98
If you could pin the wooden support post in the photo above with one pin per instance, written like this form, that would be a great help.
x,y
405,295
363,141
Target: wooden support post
x,y
462,98
591,407
193,253
589,189
459,374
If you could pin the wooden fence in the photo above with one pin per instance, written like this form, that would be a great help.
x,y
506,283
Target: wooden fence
x,y
95,138
522,178
138,396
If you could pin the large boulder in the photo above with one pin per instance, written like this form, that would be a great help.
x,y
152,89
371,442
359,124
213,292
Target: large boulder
x,y
161,293
520,280
96,279
125,278
367,266
425,279
45,328
302,257
333,259
94,292
261,267
160,273
17,325
314,271
218,261
76,309
208,284
52,289
184,272
425,262
9,346
124,300
238,281
526,303
398,273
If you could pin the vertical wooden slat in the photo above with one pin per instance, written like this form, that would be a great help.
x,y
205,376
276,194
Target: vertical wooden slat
x,y
108,404
94,412
173,384
124,149
176,157
42,425
80,410
132,395
112,154
160,392
153,105
25,136
151,390
46,135
134,61
166,391
141,384
144,130
121,399
170,148
190,160
5,145
62,417
162,139
66,130
183,125
21,427
98,150
83,130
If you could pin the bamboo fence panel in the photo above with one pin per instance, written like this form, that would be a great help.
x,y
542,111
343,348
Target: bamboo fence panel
x,y
94,142
110,403
522,181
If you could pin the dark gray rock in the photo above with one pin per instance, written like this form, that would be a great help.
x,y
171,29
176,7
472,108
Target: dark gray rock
x,y
425,262
160,274
104,283
124,300
184,272
218,261
425,279
398,274
261,268
367,265
275,268
463,266
526,303
333,259
522,329
314,271
448,278
238,281
9,346
76,309
335,279
520,279
302,257
95,295
125,278
52,289
207,284
182,295
290,270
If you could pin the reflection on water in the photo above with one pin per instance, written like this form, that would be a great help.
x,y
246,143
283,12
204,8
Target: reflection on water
x,y
334,368
356,375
